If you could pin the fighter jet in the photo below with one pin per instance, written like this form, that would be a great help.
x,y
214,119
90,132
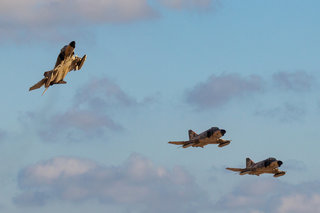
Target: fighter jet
x,y
269,165
65,63
211,136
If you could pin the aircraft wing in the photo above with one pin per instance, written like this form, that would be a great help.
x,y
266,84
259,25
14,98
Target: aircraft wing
x,y
178,142
80,63
236,169
185,144
38,85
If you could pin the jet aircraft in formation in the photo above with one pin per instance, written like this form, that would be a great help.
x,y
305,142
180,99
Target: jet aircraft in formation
x,y
210,136
269,165
66,62
213,136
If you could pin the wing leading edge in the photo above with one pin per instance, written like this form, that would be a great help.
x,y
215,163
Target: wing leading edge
x,y
178,142
185,144
236,169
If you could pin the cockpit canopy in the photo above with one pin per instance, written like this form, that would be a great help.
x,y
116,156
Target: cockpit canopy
x,y
211,131
268,161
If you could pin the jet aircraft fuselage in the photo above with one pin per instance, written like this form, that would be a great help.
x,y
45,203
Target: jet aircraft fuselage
x,y
269,165
210,136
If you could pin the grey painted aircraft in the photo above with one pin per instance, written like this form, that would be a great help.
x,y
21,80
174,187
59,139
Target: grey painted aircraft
x,y
65,63
269,165
211,136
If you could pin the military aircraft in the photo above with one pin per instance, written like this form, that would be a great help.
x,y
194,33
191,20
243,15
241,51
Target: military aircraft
x,y
211,136
66,62
269,165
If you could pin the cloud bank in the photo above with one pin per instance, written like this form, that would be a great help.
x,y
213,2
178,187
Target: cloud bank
x,y
136,182
55,19
88,116
37,13
219,90
293,81
272,195
188,4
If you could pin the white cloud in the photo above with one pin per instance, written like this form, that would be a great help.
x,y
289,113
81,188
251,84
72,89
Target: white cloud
x,y
62,167
37,13
298,203
272,195
247,196
58,20
55,20
138,181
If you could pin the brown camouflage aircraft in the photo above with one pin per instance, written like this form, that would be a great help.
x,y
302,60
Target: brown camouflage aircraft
x,y
269,165
66,62
211,136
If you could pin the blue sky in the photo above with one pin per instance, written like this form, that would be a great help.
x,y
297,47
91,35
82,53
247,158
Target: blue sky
x,y
154,70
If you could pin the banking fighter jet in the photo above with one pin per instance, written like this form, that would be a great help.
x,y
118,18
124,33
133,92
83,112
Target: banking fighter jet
x,y
65,63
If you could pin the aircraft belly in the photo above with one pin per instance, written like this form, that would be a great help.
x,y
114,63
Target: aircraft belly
x,y
201,143
60,76
62,70
264,170
213,141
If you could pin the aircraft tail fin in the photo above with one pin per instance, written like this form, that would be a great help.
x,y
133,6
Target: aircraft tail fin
x,y
192,134
249,162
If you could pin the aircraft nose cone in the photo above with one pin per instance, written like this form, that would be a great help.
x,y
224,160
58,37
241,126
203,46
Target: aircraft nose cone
x,y
73,44
279,163
223,132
